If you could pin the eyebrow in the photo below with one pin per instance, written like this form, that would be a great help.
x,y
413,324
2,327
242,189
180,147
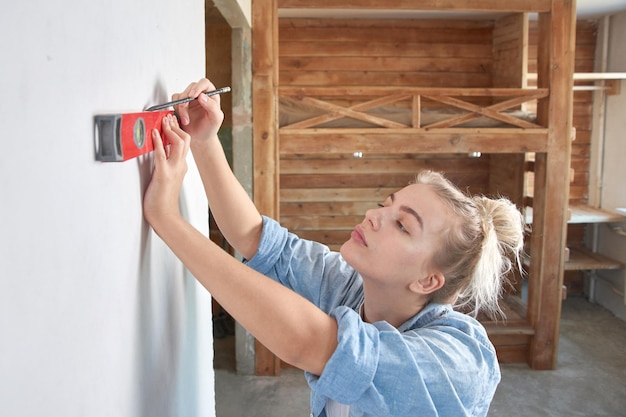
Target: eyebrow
x,y
408,210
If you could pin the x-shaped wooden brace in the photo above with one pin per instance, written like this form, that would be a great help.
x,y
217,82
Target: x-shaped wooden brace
x,y
492,111
355,112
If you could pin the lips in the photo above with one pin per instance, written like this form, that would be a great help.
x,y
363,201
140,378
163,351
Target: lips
x,y
358,236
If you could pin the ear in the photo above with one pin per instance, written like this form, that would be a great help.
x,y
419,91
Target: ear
x,y
428,284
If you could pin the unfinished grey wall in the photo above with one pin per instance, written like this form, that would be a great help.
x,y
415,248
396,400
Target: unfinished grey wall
x,y
609,289
97,317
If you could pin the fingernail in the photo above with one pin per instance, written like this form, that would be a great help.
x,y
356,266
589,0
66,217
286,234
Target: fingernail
x,y
203,98
155,133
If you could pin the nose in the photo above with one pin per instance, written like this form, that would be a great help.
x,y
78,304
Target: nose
x,y
374,217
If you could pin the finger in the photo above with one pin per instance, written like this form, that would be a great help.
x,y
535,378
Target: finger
x,y
177,137
166,124
187,92
183,139
210,104
159,150
193,90
201,86
183,109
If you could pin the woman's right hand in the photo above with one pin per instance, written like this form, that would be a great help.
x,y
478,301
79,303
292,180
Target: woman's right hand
x,y
200,118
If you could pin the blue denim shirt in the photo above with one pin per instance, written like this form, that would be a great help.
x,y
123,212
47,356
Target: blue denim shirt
x,y
438,363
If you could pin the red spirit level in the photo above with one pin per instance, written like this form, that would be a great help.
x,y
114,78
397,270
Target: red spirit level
x,y
120,137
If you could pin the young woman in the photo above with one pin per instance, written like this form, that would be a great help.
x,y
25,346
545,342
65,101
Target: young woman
x,y
373,326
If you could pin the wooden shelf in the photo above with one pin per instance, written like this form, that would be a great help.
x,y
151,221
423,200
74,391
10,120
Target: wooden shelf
x,y
585,214
583,259
590,76
511,337
579,214
580,258
609,81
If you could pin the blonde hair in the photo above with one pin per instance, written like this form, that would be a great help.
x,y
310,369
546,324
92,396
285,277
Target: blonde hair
x,y
480,249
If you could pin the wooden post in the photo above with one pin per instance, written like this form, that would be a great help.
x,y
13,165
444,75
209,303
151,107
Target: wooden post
x,y
555,61
510,63
265,132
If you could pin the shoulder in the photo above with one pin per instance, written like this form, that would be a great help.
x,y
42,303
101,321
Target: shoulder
x,y
439,354
441,325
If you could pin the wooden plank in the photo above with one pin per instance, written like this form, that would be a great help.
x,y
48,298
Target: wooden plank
x,y
579,213
377,23
315,222
556,46
378,179
512,349
408,34
511,337
434,5
327,208
583,214
334,237
510,51
581,151
492,112
583,259
387,165
507,177
399,78
374,179
510,44
367,90
336,194
354,112
507,329
265,135
383,49
474,182
383,64
593,76
575,234
578,193
408,141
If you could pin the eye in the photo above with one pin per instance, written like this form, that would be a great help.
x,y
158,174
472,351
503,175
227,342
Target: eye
x,y
402,228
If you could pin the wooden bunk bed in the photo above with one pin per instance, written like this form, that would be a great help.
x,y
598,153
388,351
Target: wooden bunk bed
x,y
328,140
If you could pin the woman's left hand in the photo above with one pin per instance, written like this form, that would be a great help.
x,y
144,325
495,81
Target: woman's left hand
x,y
170,167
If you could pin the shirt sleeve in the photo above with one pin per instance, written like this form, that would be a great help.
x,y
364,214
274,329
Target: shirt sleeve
x,y
436,371
307,267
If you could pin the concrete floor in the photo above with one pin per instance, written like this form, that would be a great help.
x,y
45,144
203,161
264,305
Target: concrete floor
x,y
590,379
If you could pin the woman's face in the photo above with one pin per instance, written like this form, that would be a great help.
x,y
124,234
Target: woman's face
x,y
395,242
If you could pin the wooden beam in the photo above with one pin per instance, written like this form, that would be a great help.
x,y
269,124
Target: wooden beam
x,y
412,141
265,134
556,43
355,91
591,76
508,6
609,82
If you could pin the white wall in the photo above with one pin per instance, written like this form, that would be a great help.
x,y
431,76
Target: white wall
x,y
613,193
97,317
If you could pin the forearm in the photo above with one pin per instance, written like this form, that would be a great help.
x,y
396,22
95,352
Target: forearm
x,y
233,210
286,323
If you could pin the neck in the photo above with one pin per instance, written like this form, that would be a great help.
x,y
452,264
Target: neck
x,y
395,309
